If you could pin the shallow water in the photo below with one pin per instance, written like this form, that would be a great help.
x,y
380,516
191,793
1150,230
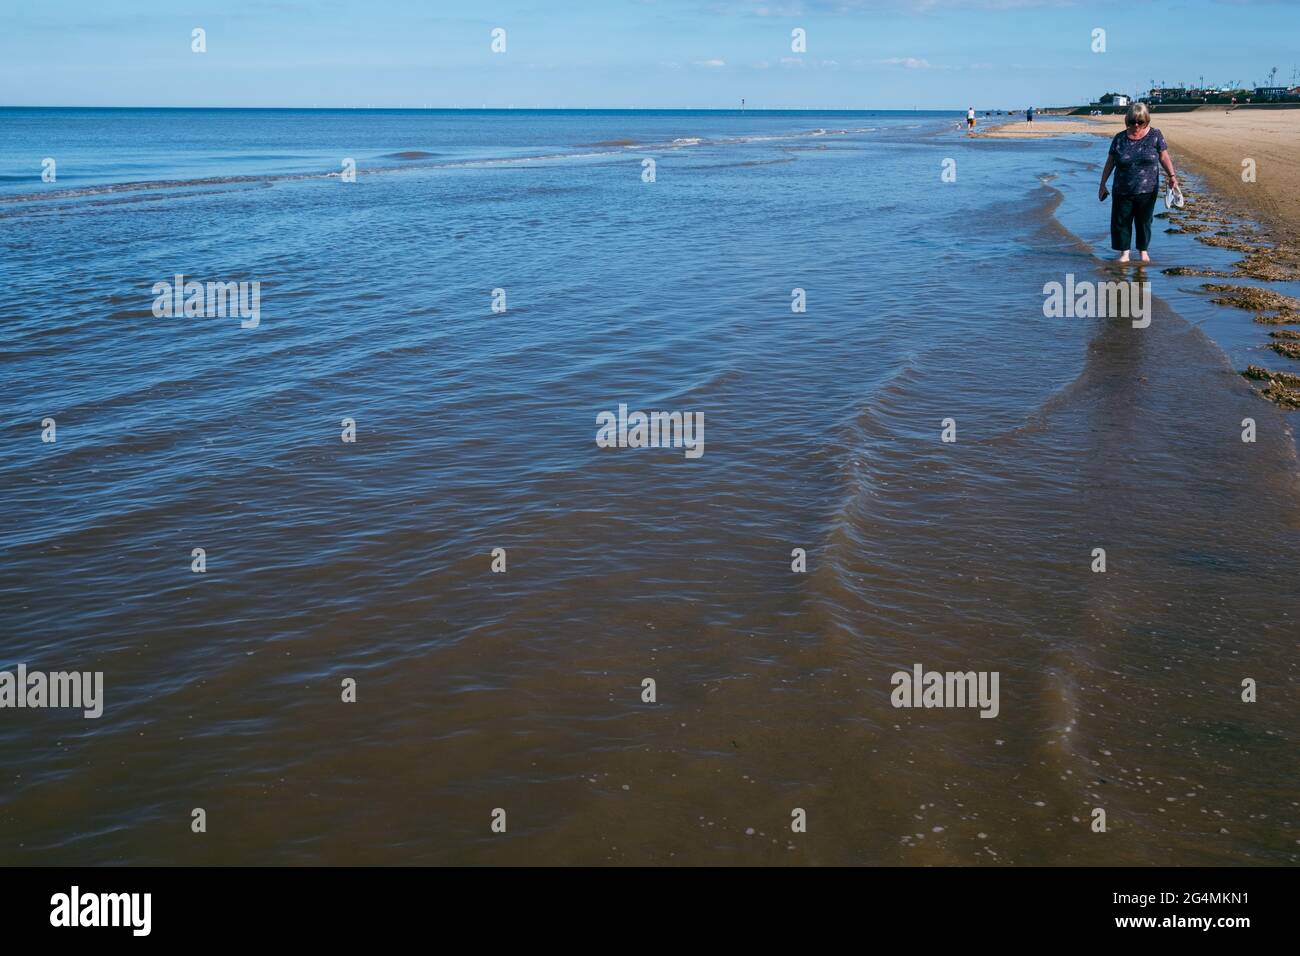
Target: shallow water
x,y
476,430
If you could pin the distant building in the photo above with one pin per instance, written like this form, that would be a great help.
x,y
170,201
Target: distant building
x,y
1170,95
1167,94
1113,99
1224,95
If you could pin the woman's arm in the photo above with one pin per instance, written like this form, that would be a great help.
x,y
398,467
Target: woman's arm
x,y
1168,164
1105,175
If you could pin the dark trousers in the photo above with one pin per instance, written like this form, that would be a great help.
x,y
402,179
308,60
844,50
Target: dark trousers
x,y
1127,212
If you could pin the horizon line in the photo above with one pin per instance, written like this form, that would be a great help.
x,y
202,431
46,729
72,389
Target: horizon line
x,y
534,109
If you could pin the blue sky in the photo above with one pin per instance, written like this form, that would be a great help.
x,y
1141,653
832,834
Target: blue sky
x,y
867,54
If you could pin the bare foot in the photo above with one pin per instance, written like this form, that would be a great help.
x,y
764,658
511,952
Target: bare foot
x,y
1145,257
1124,257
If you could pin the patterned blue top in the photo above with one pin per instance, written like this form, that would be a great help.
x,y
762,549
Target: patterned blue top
x,y
1137,162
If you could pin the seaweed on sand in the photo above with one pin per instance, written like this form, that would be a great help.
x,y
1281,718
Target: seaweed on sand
x,y
1234,243
1194,271
1256,300
1283,388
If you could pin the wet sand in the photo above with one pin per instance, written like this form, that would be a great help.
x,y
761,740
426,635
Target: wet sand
x,y
1044,128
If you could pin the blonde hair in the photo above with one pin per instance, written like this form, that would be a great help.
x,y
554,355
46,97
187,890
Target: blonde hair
x,y
1137,115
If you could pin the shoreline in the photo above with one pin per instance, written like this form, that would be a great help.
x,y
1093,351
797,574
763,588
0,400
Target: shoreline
x,y
1208,144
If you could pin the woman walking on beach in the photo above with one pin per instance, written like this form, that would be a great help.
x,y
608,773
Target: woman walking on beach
x,y
1136,156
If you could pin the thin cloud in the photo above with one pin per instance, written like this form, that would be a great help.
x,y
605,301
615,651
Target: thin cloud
x,y
908,62
799,8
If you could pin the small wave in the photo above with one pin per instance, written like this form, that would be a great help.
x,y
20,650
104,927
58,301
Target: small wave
x,y
678,143
750,162
109,188
807,134
407,156
260,179
523,160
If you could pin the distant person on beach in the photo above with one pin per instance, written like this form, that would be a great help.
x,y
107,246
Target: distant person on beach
x,y
970,118
1136,155
1029,115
